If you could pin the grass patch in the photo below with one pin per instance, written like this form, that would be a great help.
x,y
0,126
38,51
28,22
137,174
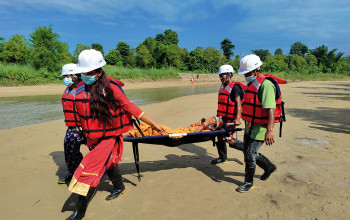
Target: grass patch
x,y
140,74
19,74
296,76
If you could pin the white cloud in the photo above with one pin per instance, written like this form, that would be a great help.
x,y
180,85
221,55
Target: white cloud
x,y
304,18
168,11
283,14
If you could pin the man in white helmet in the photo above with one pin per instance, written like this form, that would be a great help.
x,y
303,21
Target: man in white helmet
x,y
261,109
229,107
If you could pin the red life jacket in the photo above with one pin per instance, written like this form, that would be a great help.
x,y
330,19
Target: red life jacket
x,y
227,107
252,110
68,103
94,128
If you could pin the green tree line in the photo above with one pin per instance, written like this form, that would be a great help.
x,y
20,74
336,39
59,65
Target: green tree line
x,y
46,54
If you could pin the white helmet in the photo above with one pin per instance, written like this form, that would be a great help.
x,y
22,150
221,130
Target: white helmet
x,y
225,69
249,63
69,69
90,60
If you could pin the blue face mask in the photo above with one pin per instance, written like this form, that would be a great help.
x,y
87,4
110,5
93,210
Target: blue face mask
x,y
250,79
88,80
67,81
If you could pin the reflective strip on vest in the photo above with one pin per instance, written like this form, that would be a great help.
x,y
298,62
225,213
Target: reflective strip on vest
x,y
71,118
227,107
252,107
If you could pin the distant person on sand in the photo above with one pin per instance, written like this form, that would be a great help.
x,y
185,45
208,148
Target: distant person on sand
x,y
74,136
229,108
192,79
105,113
262,107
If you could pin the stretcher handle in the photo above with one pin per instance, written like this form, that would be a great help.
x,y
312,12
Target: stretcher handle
x,y
231,123
178,135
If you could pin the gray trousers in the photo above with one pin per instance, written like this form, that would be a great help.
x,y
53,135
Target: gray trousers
x,y
250,150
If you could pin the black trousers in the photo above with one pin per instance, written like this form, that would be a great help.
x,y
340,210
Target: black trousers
x,y
72,154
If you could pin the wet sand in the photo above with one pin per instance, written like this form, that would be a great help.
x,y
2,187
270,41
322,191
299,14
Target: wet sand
x,y
312,180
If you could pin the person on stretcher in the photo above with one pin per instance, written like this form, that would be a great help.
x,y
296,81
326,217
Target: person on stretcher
x,y
205,124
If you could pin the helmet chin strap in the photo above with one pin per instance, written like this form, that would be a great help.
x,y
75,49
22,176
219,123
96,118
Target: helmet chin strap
x,y
227,80
228,76
257,71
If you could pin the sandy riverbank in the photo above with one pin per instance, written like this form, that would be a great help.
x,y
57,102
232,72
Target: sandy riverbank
x,y
312,181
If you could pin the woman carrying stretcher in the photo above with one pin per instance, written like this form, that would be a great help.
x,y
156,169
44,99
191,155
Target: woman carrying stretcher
x,y
105,113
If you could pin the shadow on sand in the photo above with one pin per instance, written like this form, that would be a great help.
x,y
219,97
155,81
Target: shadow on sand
x,y
334,120
200,160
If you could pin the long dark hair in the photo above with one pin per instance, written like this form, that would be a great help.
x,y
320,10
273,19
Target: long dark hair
x,y
102,99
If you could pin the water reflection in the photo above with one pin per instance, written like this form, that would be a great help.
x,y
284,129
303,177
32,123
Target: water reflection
x,y
149,96
20,111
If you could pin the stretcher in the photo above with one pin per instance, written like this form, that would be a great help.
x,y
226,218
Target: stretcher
x,y
173,140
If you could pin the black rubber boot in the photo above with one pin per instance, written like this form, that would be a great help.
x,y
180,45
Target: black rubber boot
x,y
222,151
248,182
83,202
65,179
267,166
218,160
117,182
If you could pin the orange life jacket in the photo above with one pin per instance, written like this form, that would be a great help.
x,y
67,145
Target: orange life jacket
x,y
227,107
68,103
94,128
252,110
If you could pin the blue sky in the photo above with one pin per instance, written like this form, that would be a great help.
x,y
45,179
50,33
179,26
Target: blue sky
x,y
249,24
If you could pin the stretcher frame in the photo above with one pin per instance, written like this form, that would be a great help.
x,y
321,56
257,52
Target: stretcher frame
x,y
170,141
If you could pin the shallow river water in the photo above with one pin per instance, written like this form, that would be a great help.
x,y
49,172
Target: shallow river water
x,y
26,110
